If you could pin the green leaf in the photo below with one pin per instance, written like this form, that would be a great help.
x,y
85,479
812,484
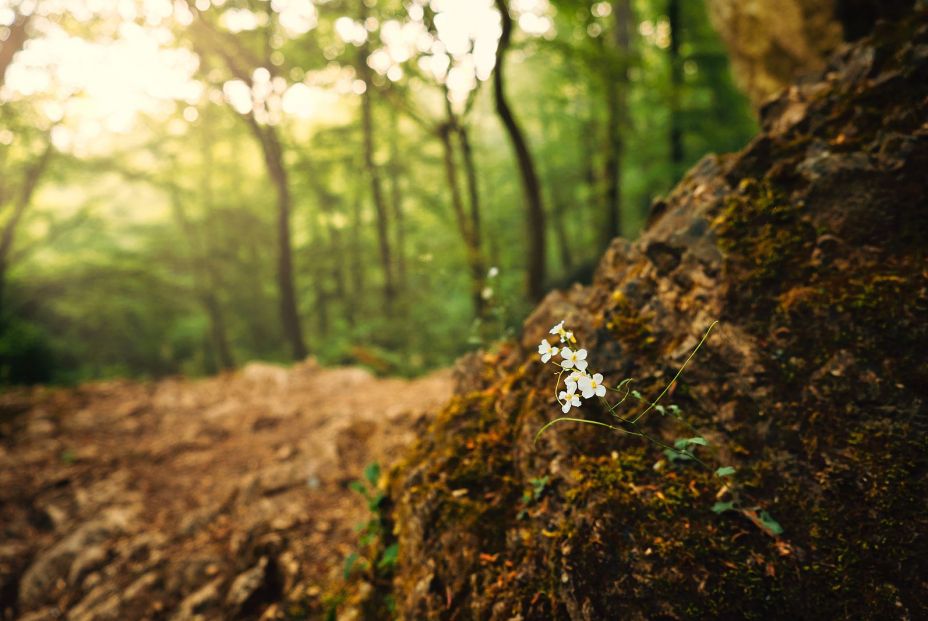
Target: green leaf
x,y
350,561
388,558
636,394
660,409
725,471
684,443
372,473
675,455
771,524
721,507
358,486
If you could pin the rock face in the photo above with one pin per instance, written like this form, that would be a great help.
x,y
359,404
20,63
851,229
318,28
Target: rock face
x,y
212,499
773,42
810,248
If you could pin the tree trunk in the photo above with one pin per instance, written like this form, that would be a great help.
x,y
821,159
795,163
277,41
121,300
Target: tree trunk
x,y
197,260
474,258
535,215
357,251
473,187
373,173
289,315
616,120
676,86
218,332
396,202
14,42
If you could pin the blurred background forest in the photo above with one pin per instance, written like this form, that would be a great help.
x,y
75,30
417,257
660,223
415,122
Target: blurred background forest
x,y
186,186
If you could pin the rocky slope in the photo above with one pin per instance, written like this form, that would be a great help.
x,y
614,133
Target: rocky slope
x,y
211,499
810,247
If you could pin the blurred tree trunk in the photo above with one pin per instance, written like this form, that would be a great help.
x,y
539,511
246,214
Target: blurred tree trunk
x,y
357,250
373,173
196,261
273,158
397,171
14,42
676,86
473,188
617,118
209,298
20,202
469,234
535,215
242,64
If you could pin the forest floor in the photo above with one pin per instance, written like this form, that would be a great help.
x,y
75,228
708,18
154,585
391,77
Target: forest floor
x,y
184,499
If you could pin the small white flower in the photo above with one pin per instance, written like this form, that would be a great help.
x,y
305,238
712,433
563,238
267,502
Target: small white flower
x,y
546,350
567,336
572,380
493,273
591,386
558,329
487,293
568,400
572,359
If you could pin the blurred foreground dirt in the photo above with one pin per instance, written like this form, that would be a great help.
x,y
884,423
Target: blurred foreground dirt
x,y
191,499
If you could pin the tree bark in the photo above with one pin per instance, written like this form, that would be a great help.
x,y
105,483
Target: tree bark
x,y
617,119
676,85
531,189
396,202
14,43
475,261
197,260
373,173
289,315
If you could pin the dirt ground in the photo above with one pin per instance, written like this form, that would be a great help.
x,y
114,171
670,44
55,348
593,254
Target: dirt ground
x,y
179,499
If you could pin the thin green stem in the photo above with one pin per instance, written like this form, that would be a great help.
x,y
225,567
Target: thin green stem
x,y
675,377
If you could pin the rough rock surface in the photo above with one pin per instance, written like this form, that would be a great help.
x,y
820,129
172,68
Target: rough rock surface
x,y
773,42
212,499
810,247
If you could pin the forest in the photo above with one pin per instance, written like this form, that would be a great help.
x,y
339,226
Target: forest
x,y
497,310
191,187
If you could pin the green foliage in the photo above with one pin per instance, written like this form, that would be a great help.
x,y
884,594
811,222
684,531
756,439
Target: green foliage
x,y
371,534
157,254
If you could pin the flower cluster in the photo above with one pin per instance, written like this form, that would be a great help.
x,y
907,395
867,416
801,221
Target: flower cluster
x,y
580,382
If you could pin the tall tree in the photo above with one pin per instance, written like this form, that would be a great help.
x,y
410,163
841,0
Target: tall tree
x,y
676,86
531,189
617,86
241,64
15,40
373,171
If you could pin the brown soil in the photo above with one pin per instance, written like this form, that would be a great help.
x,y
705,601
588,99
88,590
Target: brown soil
x,y
191,499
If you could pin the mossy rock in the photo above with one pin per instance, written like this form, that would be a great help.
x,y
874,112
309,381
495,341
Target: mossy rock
x,y
809,246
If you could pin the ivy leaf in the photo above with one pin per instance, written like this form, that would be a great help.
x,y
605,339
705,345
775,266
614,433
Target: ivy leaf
x,y
350,561
358,487
725,471
722,507
388,558
372,473
771,524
